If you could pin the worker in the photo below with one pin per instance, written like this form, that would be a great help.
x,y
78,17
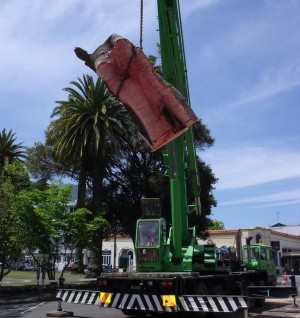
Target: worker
x,y
152,238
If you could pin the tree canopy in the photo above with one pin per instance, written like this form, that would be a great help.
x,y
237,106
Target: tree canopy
x,y
126,170
86,132
9,149
137,172
92,139
36,221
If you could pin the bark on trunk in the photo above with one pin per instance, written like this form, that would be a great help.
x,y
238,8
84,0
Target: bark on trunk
x,y
160,112
97,207
81,199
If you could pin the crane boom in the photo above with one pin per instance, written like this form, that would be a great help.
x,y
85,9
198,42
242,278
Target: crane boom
x,y
181,152
162,113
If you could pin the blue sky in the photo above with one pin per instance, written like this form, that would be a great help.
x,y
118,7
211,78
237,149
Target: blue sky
x,y
243,60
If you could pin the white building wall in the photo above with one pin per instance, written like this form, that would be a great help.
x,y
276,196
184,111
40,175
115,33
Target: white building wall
x,y
122,243
288,244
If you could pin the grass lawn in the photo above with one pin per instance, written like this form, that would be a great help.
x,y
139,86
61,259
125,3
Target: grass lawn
x,y
18,275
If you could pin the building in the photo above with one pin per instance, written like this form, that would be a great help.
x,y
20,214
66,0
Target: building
x,y
285,246
118,251
291,255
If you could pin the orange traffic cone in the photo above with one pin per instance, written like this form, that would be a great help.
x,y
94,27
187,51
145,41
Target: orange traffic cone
x,y
285,279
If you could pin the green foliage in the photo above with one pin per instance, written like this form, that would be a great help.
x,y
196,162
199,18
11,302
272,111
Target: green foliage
x,y
86,119
207,182
217,225
9,150
14,179
17,174
81,227
138,172
87,131
42,164
42,216
134,173
92,140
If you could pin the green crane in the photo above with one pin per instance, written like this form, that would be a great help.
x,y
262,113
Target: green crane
x,y
173,272
180,251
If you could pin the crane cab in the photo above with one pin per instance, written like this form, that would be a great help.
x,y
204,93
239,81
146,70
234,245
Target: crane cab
x,y
150,239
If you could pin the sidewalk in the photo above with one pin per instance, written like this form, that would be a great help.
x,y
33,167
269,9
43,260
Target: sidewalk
x,y
280,307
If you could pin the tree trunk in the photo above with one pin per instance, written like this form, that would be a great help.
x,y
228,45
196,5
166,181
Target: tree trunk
x,y
98,175
81,203
81,194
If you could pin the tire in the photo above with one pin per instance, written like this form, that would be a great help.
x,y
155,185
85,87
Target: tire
x,y
201,289
217,290
252,301
260,301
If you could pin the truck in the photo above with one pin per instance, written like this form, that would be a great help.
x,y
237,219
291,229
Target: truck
x,y
250,257
174,271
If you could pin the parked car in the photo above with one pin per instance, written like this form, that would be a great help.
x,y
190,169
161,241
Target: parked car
x,y
107,268
27,267
73,267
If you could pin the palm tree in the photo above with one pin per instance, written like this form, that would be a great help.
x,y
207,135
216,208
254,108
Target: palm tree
x,y
90,126
9,150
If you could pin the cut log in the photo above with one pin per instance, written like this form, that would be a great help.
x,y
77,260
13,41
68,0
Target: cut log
x,y
157,108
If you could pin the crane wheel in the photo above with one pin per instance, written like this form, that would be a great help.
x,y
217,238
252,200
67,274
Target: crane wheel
x,y
201,289
217,290
252,301
260,301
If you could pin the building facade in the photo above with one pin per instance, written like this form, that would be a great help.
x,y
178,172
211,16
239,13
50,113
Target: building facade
x,y
118,251
285,246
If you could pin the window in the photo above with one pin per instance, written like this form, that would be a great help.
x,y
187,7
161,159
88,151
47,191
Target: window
x,y
253,253
148,233
258,238
268,254
106,257
263,254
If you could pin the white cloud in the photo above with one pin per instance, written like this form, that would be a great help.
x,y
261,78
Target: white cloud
x,y
38,38
244,167
37,59
190,7
275,199
250,57
272,81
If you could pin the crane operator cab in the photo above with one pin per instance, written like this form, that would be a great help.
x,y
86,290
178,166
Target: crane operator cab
x,y
148,233
150,236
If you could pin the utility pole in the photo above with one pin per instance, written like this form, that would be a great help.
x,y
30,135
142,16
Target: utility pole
x,y
277,213
115,241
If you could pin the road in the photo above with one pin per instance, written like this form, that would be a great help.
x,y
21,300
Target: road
x,y
27,306
278,308
39,310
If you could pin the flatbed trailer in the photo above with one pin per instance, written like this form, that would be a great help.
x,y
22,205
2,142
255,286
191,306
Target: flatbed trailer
x,y
139,293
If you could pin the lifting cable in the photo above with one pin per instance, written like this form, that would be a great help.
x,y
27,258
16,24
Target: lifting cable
x,y
141,23
125,73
